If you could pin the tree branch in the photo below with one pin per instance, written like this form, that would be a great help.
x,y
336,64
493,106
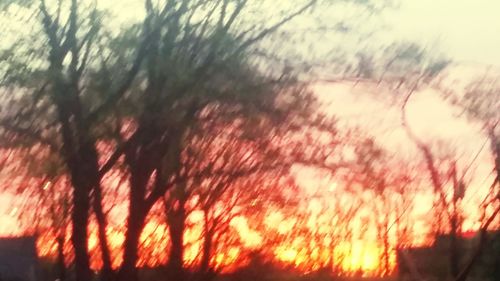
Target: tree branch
x,y
274,27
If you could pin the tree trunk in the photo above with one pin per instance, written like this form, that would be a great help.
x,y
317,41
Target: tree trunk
x,y
141,167
107,270
80,217
176,218
207,248
207,253
79,236
454,251
61,266
85,177
135,224
78,156
387,268
455,224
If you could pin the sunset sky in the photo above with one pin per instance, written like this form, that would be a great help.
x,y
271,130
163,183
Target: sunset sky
x,y
465,30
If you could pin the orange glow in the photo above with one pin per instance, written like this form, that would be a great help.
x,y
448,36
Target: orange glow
x,y
308,237
346,258
360,256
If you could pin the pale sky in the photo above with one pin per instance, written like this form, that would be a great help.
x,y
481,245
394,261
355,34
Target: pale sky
x,y
468,30
465,30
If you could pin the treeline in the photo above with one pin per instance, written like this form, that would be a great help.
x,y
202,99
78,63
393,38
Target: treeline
x,y
184,113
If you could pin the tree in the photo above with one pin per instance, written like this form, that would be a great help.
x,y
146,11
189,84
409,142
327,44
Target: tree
x,y
480,102
141,93
185,64
439,180
403,70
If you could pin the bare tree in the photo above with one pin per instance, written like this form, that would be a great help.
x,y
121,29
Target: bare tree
x,y
183,50
448,205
